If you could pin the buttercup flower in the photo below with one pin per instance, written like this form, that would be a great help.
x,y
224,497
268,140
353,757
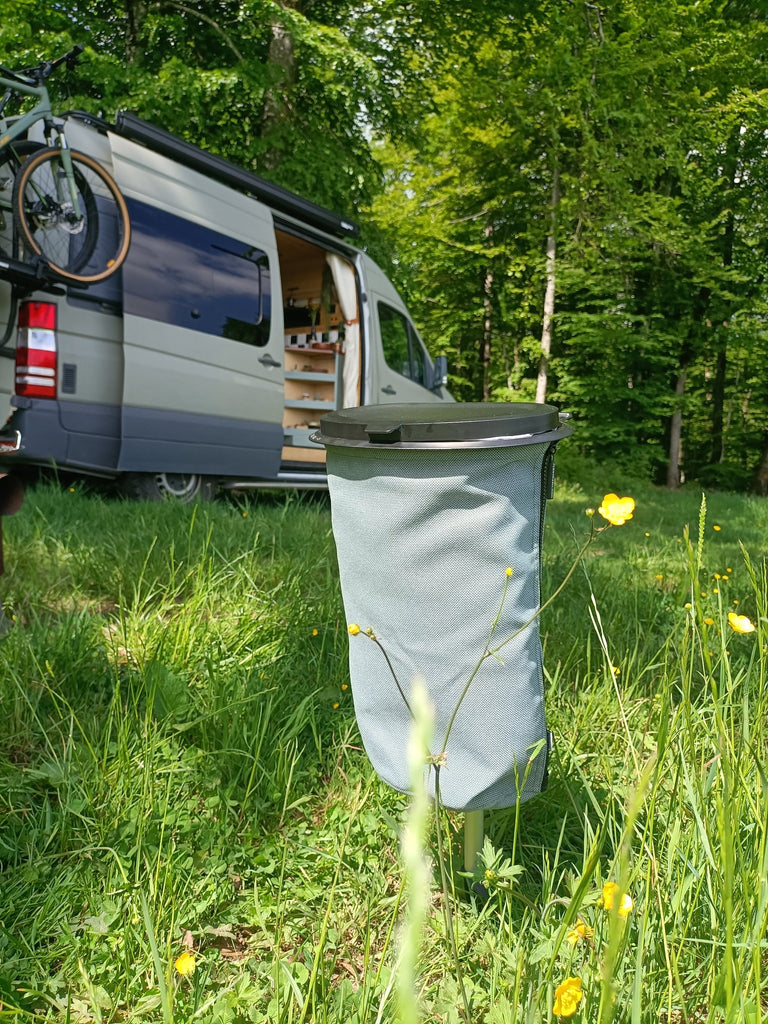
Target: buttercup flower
x,y
608,898
568,995
185,964
717,528
580,930
353,629
740,623
617,510
509,571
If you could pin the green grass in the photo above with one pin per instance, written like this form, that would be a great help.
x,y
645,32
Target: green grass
x,y
179,763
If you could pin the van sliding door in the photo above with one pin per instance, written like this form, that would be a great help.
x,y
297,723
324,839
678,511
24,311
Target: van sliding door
x,y
203,366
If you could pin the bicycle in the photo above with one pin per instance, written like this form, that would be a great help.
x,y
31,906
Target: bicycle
x,y
65,208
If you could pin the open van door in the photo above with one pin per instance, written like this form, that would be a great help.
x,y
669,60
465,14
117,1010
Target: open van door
x,y
203,340
399,368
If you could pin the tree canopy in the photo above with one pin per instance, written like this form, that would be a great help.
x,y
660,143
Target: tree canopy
x,y
573,194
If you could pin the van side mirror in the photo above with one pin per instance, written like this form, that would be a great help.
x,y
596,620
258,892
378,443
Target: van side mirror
x,y
439,372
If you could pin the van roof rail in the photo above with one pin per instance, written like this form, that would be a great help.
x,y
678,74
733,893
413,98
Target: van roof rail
x,y
132,127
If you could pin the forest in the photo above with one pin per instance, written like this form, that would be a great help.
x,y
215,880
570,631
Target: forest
x,y
571,196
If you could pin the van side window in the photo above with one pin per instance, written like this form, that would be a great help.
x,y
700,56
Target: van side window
x,y
403,352
184,274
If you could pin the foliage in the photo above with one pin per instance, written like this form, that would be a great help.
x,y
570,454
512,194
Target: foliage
x,y
181,770
637,131
207,73
626,138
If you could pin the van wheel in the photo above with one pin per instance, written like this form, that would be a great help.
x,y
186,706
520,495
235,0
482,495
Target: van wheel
x,y
182,487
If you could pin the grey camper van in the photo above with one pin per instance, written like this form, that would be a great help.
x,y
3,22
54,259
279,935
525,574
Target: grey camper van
x,y
241,314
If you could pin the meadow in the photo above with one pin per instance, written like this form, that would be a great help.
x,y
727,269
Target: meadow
x,y
181,772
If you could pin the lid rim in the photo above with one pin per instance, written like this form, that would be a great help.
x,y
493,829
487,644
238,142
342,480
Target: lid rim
x,y
425,425
504,441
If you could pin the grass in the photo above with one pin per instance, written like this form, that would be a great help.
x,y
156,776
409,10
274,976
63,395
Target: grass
x,y
180,768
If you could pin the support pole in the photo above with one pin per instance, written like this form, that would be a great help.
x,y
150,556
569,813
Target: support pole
x,y
473,838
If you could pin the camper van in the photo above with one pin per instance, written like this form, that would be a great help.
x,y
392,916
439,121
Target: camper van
x,y
241,315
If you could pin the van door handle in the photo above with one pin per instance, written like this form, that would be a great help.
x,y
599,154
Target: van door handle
x,y
389,390
267,360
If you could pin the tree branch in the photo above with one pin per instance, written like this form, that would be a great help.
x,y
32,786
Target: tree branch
x,y
203,17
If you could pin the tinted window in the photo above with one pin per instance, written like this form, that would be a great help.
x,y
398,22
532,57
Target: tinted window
x,y
184,274
107,293
402,349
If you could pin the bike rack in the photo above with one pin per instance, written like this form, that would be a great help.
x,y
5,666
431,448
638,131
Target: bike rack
x,y
30,277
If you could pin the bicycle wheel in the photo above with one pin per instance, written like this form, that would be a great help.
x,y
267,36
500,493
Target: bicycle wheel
x,y
85,248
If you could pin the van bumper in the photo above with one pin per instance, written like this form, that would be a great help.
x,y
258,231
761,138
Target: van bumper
x,y
45,441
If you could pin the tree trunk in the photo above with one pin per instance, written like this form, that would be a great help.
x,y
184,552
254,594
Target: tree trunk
x,y
676,435
760,481
549,295
134,15
487,321
730,170
277,99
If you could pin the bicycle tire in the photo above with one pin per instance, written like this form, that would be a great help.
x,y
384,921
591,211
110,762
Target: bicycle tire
x,y
81,251
12,156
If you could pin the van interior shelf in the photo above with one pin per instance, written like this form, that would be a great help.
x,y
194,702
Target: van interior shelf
x,y
312,388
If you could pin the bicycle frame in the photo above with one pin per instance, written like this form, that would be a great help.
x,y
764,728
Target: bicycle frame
x,y
40,112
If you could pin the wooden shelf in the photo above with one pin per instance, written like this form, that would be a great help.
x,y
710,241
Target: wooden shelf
x,y
320,373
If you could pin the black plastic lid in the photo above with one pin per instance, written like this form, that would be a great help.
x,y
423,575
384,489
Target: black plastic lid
x,y
427,425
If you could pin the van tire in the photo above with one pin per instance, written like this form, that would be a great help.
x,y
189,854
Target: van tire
x,y
185,488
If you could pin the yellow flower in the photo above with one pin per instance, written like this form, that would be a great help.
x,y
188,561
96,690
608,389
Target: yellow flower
x,y
345,686
580,930
717,576
617,510
315,632
185,964
589,512
740,623
353,629
717,528
659,576
568,995
709,622
608,899
335,705
509,571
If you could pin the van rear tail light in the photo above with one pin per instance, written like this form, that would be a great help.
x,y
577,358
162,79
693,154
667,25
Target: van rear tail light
x,y
36,356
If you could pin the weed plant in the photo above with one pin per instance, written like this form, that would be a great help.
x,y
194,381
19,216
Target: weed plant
x,y
180,771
